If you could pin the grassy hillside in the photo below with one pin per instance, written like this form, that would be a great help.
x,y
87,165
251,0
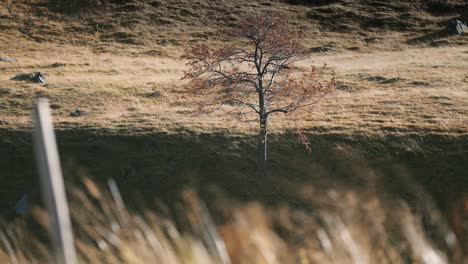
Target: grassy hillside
x,y
393,136
154,27
372,186
93,63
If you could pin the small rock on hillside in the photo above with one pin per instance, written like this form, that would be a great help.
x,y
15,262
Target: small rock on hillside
x,y
36,78
7,59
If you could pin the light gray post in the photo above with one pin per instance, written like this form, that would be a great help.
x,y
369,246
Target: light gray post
x,y
53,188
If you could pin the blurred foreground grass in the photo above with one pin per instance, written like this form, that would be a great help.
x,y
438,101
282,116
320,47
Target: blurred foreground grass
x,y
197,199
357,230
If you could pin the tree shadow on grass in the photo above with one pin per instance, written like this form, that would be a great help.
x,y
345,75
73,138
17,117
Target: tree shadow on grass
x,y
158,166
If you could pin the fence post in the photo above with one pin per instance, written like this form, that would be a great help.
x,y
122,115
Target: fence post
x,y
52,185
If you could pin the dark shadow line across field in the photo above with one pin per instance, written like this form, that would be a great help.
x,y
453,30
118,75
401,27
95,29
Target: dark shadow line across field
x,y
159,165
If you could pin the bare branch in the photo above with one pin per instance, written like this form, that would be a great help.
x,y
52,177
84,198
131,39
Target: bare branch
x,y
255,107
259,68
257,71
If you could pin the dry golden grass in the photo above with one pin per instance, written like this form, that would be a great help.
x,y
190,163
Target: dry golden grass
x,y
157,26
121,65
423,90
121,69
338,226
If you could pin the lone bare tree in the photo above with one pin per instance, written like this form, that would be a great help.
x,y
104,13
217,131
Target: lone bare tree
x,y
256,73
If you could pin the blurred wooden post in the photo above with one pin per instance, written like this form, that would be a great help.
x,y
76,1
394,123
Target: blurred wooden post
x,y
53,188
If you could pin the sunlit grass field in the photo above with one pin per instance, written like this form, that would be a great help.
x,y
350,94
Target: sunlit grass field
x,y
385,181
421,90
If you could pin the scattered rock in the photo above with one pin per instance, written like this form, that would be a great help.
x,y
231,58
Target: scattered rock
x,y
55,106
77,113
7,59
4,123
23,77
461,27
37,77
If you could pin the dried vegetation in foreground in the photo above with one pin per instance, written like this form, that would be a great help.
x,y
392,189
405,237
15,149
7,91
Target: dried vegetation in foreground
x,y
402,80
338,227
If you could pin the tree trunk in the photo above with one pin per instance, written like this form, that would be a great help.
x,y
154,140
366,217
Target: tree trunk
x,y
262,144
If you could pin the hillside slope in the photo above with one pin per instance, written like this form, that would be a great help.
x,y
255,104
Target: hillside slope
x,y
156,25
393,136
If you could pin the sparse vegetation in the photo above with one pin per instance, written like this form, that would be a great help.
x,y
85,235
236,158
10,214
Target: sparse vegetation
x,y
82,6
326,228
256,75
389,148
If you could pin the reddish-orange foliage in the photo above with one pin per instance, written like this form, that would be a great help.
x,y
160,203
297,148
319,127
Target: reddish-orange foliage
x,y
257,73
